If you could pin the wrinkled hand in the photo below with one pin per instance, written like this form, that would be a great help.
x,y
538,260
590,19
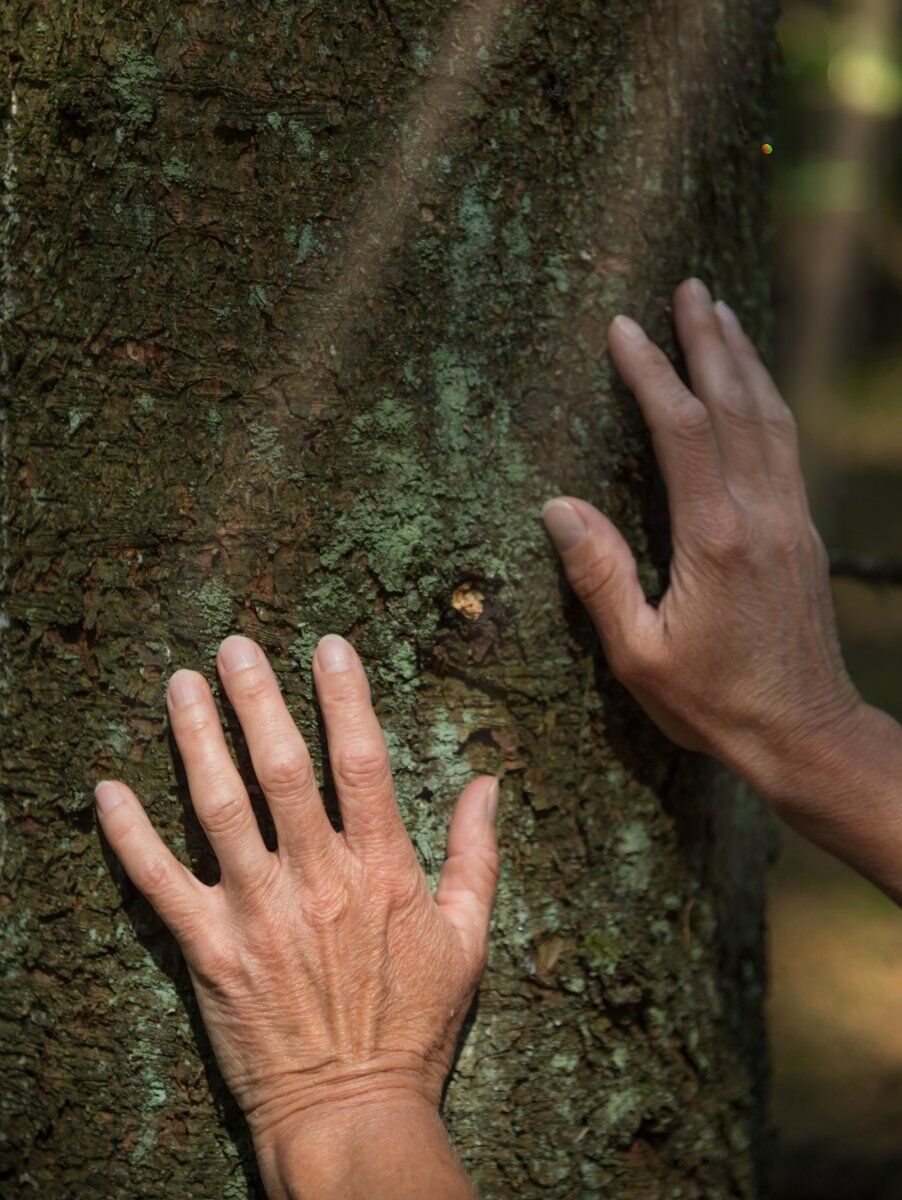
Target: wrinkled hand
x,y
741,657
325,972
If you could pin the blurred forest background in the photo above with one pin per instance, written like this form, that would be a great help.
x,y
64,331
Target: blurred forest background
x,y
836,997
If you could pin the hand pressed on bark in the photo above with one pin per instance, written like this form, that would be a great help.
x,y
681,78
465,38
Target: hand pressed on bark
x,y
741,658
331,983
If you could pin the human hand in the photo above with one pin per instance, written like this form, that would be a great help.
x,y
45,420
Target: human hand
x,y
742,652
329,979
741,658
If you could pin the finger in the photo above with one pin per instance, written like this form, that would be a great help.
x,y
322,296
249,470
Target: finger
x,y
718,384
357,751
680,427
279,755
175,894
217,790
469,878
780,432
601,569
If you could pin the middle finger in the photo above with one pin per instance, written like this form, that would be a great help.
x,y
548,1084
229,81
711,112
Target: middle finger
x,y
718,383
279,754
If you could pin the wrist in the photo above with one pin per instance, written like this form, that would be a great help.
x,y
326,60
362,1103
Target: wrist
x,y
840,786
368,1146
796,769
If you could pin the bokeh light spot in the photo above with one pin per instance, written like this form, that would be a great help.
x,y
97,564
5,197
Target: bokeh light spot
x,y
866,80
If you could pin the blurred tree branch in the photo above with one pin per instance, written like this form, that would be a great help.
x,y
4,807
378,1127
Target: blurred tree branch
x,y
866,568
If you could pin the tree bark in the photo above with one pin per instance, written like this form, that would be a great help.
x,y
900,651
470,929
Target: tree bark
x,y
304,318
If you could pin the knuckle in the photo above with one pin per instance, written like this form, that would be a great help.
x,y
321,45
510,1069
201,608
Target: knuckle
x,y
122,829
591,577
348,690
194,722
212,959
729,534
363,766
781,425
252,685
688,417
229,814
287,771
327,905
159,878
488,864
737,405
784,533
654,363
152,875
403,888
656,369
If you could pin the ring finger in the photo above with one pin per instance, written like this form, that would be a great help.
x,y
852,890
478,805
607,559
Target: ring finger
x,y
717,382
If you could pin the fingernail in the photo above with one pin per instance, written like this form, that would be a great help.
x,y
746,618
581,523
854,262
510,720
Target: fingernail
x,y
493,794
185,687
629,328
334,654
106,795
565,525
699,290
727,316
236,653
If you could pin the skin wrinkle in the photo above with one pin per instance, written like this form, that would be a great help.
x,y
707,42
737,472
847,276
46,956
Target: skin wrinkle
x,y
741,658
349,949
727,630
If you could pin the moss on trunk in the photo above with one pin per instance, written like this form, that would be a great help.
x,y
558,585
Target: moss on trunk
x,y
304,319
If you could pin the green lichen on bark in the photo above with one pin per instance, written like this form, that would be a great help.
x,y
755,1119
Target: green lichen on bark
x,y
245,395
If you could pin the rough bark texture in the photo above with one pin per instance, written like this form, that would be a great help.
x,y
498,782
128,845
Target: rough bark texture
x,y
304,308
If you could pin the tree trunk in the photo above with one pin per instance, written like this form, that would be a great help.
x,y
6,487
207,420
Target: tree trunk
x,y
304,318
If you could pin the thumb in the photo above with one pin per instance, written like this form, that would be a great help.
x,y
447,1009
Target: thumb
x,y
466,886
601,570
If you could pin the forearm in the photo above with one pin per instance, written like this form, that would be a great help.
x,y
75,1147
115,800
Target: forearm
x,y
398,1151
841,787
